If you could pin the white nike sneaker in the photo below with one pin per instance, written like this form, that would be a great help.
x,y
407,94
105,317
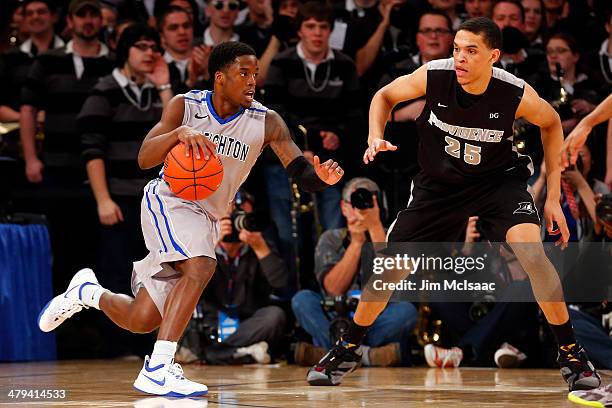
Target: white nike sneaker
x,y
167,381
63,306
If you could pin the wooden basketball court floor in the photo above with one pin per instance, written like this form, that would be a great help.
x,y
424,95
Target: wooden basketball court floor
x,y
108,383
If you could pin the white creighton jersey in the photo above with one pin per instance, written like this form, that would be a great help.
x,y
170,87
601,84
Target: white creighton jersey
x,y
239,139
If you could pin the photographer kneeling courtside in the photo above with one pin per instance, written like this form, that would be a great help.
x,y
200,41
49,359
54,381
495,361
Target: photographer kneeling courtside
x,y
337,268
234,322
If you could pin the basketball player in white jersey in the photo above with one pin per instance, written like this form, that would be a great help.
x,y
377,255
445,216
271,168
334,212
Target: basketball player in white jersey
x,y
181,235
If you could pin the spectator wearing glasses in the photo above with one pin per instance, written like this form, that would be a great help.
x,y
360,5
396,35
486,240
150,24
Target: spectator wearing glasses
x,y
187,64
434,40
121,108
222,15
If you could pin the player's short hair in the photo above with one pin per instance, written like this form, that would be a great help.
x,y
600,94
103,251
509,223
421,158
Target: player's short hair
x,y
486,28
130,36
161,18
517,3
51,5
318,10
225,54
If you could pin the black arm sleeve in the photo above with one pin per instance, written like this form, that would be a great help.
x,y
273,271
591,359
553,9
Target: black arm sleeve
x,y
304,175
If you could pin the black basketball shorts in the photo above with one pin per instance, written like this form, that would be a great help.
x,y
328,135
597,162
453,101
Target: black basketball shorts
x,y
439,213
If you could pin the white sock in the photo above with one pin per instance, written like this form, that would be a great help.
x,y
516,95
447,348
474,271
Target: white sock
x,y
163,353
91,295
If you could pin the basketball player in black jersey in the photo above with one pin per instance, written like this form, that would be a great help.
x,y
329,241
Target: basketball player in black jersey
x,y
469,167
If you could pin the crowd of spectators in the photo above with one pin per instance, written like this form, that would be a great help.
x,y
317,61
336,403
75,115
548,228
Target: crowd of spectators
x,y
83,81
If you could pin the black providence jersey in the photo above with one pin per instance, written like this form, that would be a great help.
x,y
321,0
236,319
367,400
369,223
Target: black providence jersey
x,y
464,145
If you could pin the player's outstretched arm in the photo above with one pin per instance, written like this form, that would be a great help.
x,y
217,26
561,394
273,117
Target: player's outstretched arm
x,y
578,136
309,177
538,112
404,88
167,133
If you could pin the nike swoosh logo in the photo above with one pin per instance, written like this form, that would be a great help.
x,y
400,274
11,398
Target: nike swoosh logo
x,y
160,383
71,289
442,106
200,117
150,370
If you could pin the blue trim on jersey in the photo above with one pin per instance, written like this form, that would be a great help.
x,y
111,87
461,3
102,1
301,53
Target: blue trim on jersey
x,y
211,109
195,90
161,209
159,234
257,110
191,99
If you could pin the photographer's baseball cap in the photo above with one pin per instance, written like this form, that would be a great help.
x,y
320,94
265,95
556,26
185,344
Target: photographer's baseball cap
x,y
78,5
358,182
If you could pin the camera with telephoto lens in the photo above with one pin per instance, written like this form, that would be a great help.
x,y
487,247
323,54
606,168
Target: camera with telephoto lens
x,y
362,199
255,221
342,306
604,209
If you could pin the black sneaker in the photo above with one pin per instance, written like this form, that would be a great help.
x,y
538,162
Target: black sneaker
x,y
576,368
342,359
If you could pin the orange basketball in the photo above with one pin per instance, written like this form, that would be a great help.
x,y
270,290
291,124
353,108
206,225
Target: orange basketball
x,y
191,178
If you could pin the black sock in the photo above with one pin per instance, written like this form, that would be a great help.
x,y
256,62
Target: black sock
x,y
564,333
355,333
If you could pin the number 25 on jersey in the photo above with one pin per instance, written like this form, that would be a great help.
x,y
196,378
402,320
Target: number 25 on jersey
x,y
471,153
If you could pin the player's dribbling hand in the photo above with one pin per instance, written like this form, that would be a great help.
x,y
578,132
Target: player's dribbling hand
x,y
330,171
573,143
193,138
554,214
109,212
375,146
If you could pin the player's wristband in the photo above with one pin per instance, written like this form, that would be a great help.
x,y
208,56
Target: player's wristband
x,y
305,176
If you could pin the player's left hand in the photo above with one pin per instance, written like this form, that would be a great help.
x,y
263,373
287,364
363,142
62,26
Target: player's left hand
x,y
375,146
554,214
330,171
160,75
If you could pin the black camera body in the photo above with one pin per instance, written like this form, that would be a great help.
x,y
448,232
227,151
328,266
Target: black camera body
x,y
255,222
604,208
362,199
